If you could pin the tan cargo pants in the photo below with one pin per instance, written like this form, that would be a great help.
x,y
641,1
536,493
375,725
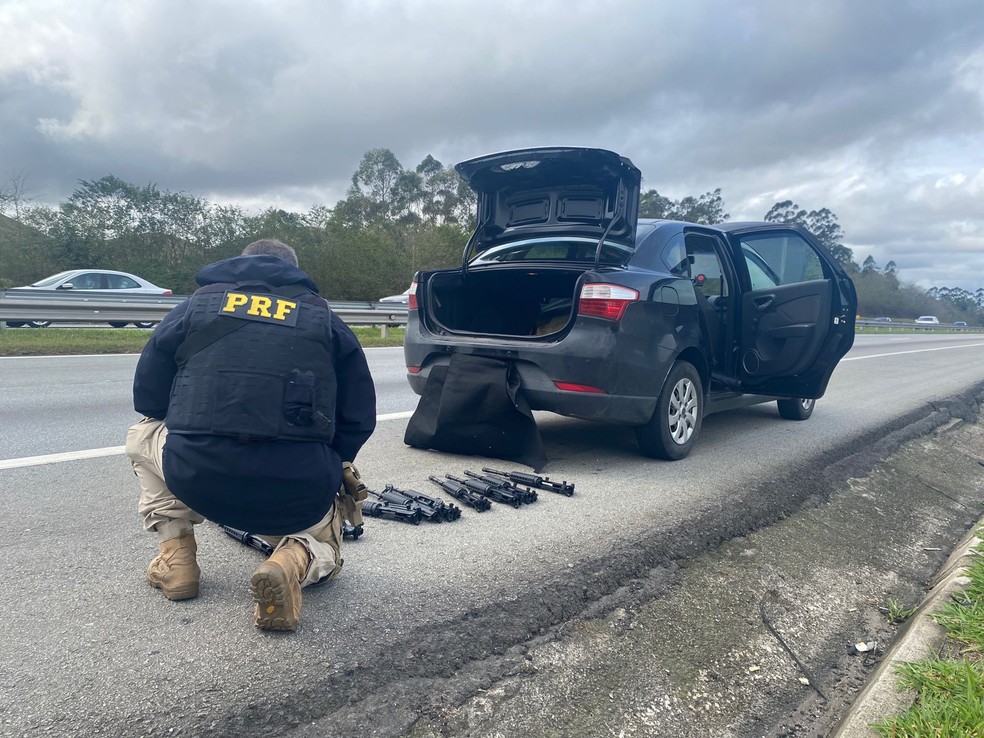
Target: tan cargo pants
x,y
166,515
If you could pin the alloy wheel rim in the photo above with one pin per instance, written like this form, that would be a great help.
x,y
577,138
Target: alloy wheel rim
x,y
682,413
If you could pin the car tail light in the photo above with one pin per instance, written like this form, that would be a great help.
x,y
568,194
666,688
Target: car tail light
x,y
412,297
413,370
167,292
607,301
571,387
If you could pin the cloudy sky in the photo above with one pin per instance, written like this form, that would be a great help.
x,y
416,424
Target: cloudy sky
x,y
872,108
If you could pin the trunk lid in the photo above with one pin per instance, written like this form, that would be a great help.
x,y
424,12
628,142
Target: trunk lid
x,y
556,191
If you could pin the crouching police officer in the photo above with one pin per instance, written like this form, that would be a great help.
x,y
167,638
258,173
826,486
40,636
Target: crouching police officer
x,y
254,395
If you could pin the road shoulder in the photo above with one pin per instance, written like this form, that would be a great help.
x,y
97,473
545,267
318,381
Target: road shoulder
x,y
756,637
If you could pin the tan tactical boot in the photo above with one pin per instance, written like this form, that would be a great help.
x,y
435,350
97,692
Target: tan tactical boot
x,y
276,587
174,570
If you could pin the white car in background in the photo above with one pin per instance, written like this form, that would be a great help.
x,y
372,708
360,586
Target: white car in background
x,y
401,299
927,320
101,280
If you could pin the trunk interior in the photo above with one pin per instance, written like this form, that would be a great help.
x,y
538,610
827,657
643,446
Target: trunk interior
x,y
526,302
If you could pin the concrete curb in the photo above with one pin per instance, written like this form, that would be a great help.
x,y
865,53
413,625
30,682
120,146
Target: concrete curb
x,y
919,638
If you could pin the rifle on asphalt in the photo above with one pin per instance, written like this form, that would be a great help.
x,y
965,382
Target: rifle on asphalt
x,y
491,491
534,480
352,532
525,494
462,493
430,508
254,541
390,511
250,539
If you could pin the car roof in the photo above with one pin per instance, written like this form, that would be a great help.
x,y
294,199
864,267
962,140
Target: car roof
x,y
99,271
729,227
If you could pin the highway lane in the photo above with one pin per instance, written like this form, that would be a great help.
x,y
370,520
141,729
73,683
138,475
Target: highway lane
x,y
91,645
61,404
52,405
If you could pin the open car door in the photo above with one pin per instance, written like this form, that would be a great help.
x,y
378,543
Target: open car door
x,y
797,313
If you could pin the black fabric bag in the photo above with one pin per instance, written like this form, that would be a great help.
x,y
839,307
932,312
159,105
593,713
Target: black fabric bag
x,y
473,406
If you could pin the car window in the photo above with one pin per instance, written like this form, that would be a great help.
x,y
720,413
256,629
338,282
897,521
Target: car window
x,y
120,282
87,281
759,273
675,257
554,249
704,265
786,257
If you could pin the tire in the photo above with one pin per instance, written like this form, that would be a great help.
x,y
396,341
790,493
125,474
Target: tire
x,y
39,323
145,323
798,409
675,425
14,324
117,324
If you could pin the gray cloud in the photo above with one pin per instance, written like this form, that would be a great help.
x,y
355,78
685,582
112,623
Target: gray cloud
x,y
874,109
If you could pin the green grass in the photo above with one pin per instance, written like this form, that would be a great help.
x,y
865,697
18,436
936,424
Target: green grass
x,y
897,612
949,690
59,341
55,341
370,335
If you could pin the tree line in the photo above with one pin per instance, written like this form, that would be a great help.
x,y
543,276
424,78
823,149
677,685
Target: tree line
x,y
392,222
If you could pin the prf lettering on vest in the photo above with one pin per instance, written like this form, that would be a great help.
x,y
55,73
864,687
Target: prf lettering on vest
x,y
264,308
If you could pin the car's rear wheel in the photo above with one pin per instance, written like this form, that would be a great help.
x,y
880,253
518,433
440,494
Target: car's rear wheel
x,y
39,323
117,324
675,425
145,323
798,409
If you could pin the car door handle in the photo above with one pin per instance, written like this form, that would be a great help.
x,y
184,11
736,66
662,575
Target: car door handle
x,y
764,302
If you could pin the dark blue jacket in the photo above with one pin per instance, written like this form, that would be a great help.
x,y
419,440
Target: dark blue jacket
x,y
271,487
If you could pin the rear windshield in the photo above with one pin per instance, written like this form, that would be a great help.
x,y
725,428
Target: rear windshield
x,y
554,249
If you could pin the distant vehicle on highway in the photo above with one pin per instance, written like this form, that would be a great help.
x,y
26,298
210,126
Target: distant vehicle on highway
x,y
401,299
927,320
882,320
102,280
960,324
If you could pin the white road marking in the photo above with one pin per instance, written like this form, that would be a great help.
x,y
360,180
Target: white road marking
x,y
92,453
394,416
914,351
68,356
95,453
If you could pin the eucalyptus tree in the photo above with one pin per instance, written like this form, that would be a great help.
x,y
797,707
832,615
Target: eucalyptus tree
x,y
821,223
707,209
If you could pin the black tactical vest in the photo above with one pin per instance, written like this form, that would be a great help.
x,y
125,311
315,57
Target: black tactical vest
x,y
256,364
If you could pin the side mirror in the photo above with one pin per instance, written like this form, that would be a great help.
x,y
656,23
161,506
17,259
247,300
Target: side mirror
x,y
66,286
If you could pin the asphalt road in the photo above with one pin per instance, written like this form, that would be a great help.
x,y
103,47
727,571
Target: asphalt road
x,y
90,649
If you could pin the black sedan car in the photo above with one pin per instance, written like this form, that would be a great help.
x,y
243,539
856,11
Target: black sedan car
x,y
606,317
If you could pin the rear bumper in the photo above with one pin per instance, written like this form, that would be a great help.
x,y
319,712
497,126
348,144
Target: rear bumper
x,y
627,361
542,394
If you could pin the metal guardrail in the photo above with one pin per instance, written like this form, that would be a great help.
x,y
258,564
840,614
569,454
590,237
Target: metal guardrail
x,y
108,306
909,325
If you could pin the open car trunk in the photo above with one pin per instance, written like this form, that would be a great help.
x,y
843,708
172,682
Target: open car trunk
x,y
524,302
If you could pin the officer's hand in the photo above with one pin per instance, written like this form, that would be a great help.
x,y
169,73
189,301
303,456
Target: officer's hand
x,y
352,481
